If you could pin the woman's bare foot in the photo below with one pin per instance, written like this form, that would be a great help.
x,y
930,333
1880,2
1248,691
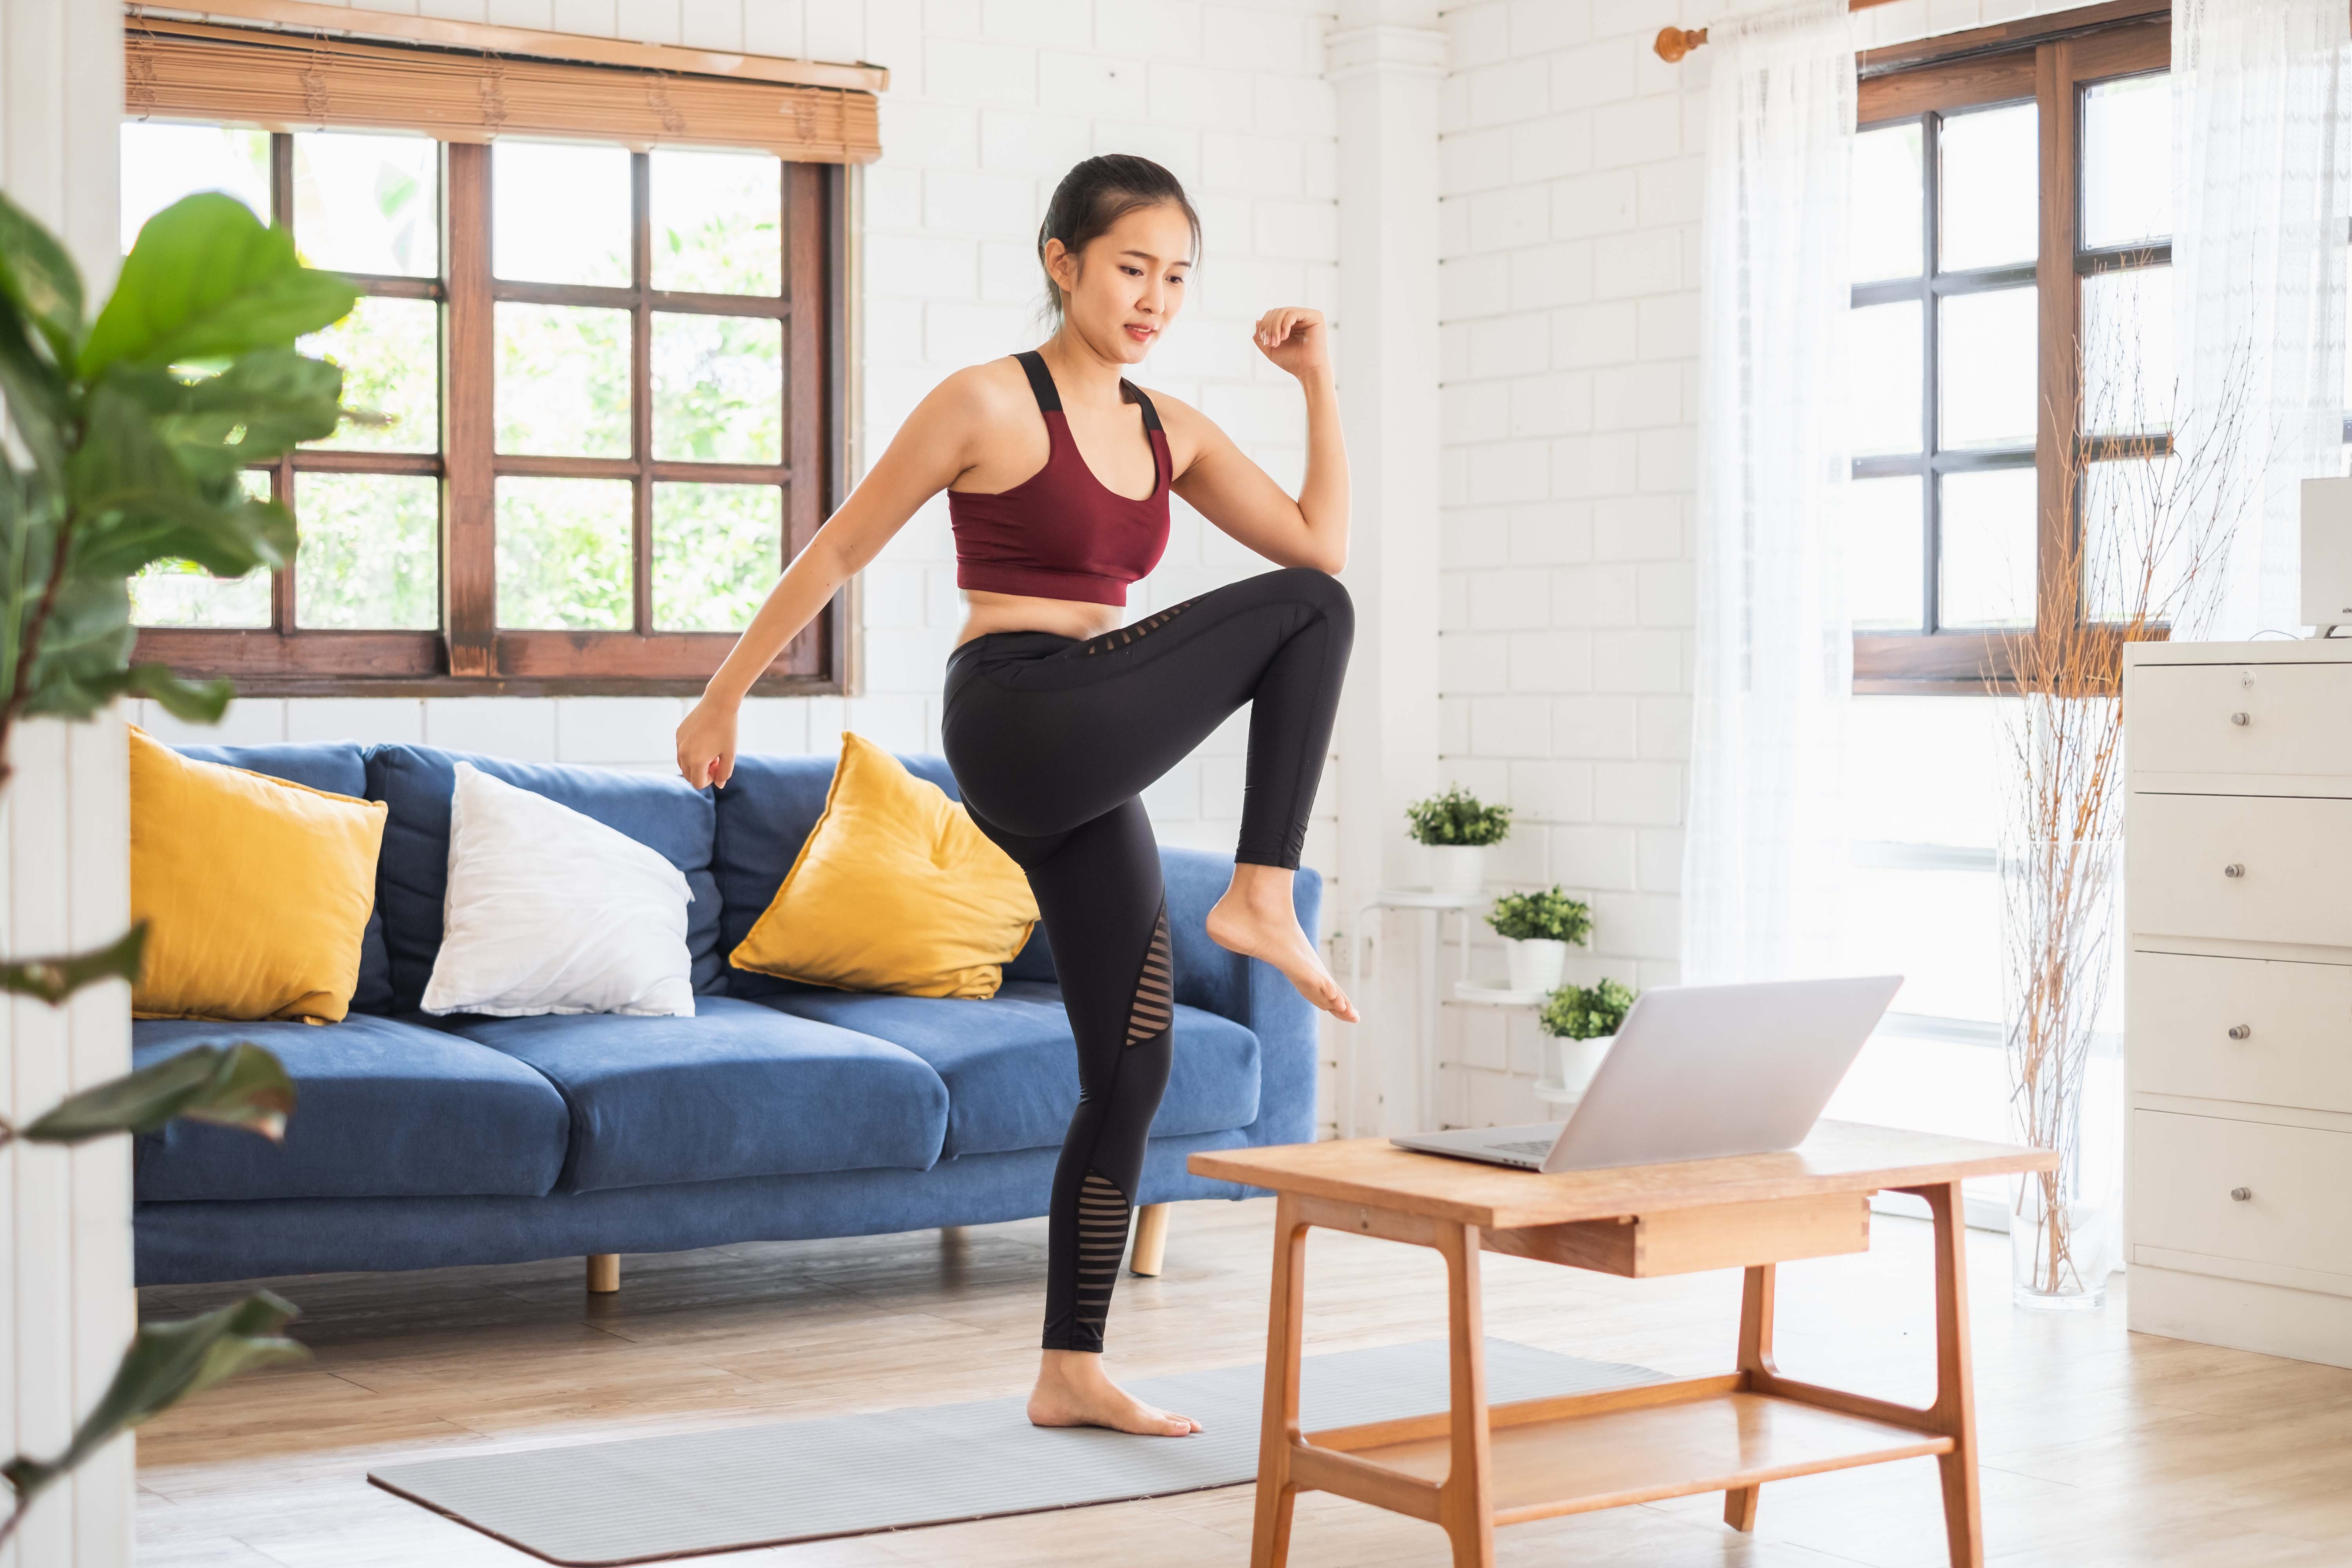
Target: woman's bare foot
x,y
1255,918
1073,1391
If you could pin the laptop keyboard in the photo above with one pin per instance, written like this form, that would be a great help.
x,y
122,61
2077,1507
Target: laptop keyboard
x,y
1533,1146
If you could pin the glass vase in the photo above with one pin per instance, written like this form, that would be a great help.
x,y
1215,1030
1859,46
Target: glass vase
x,y
2061,1245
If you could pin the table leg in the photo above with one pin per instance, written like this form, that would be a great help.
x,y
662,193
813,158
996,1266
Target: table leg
x,y
1755,1356
1956,1405
1466,1503
1278,1418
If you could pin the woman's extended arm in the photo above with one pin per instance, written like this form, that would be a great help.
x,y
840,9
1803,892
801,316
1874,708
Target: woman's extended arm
x,y
1223,486
923,459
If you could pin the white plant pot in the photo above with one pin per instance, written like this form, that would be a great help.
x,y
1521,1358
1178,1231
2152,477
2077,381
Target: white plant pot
x,y
1575,1061
1455,868
1535,963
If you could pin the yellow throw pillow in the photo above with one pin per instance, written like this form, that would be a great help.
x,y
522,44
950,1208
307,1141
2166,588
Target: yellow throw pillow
x,y
256,890
895,891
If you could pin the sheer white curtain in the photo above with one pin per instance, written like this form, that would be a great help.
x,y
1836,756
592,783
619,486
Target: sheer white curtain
x,y
1765,857
2259,139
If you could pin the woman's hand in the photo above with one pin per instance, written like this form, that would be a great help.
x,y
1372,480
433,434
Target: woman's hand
x,y
1294,337
706,742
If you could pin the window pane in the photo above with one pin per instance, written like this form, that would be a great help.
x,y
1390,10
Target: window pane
x,y
563,554
2127,160
718,389
370,557
2127,370
391,355
563,381
2139,533
718,221
1987,355
1991,167
1884,418
183,593
161,163
368,203
1886,196
560,214
1988,560
717,552
1883,564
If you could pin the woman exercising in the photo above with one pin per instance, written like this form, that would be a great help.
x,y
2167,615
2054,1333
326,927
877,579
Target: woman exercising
x,y
1056,718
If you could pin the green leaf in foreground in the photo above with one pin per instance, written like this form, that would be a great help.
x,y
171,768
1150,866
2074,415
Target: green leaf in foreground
x,y
204,281
166,1364
39,279
241,1086
52,980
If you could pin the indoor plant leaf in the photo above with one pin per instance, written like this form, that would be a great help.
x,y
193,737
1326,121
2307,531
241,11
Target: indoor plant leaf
x,y
84,645
237,1086
40,280
165,1363
195,702
140,503
36,394
205,278
52,980
261,405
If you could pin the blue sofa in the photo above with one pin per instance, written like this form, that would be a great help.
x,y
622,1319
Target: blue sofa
x,y
779,1111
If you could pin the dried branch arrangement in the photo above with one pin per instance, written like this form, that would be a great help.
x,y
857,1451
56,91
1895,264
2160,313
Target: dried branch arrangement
x,y
2150,519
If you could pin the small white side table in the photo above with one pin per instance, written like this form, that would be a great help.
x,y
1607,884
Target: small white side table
x,y
1436,906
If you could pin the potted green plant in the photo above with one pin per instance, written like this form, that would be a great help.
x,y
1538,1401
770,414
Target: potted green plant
x,y
1536,928
128,435
1454,830
1583,1023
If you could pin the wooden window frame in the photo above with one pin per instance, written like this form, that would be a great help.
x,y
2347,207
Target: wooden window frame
x,y
469,654
2049,62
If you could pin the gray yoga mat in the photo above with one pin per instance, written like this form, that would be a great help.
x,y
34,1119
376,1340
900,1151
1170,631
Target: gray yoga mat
x,y
647,1497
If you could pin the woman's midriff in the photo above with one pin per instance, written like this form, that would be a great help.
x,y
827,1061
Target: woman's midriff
x,y
1020,613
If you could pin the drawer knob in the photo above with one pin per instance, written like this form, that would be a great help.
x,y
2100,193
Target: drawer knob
x,y
2234,868
2241,1031
2242,1194
2240,719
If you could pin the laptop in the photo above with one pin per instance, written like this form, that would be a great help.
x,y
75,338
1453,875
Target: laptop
x,y
1698,1072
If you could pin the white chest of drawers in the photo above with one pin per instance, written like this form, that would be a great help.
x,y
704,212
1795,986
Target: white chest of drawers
x,y
2238,906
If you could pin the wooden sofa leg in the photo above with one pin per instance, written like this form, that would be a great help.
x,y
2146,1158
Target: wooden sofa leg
x,y
1150,1240
603,1272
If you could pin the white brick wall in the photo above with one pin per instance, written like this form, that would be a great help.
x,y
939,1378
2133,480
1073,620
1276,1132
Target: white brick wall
x,y
1573,163
990,101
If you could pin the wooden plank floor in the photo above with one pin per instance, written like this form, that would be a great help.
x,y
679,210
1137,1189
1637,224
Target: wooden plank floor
x,y
2101,1447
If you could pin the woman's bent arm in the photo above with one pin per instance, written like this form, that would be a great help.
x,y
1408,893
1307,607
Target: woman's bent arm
x,y
1234,493
925,457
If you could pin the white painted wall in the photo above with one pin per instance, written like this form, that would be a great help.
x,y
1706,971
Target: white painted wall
x,y
1573,163
66,1305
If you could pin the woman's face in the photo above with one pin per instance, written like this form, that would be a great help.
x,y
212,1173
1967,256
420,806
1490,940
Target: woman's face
x,y
1129,284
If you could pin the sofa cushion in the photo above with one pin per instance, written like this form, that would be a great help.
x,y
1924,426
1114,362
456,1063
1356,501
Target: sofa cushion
x,y
383,1107
736,1090
766,813
1011,1067
338,767
413,877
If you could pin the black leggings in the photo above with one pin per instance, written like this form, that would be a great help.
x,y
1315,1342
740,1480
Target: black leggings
x,y
1052,740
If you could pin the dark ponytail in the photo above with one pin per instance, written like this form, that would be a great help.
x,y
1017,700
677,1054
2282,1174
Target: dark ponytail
x,y
1097,193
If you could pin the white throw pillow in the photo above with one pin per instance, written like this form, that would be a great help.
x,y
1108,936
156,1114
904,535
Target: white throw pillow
x,y
550,911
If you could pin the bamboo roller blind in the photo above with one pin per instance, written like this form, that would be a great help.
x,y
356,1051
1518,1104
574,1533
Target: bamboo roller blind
x,y
285,81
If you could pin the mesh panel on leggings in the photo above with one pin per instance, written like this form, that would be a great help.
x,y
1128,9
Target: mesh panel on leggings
x,y
1154,1007
1102,1241
1126,635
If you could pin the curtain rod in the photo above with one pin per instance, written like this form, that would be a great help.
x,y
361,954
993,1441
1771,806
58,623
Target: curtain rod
x,y
1675,43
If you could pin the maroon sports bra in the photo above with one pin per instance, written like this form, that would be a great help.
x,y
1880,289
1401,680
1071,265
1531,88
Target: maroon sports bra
x,y
1059,534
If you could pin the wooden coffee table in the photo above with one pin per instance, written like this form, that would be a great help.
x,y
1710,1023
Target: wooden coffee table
x,y
1475,1467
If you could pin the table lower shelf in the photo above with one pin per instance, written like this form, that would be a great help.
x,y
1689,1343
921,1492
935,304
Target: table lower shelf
x,y
1581,1452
